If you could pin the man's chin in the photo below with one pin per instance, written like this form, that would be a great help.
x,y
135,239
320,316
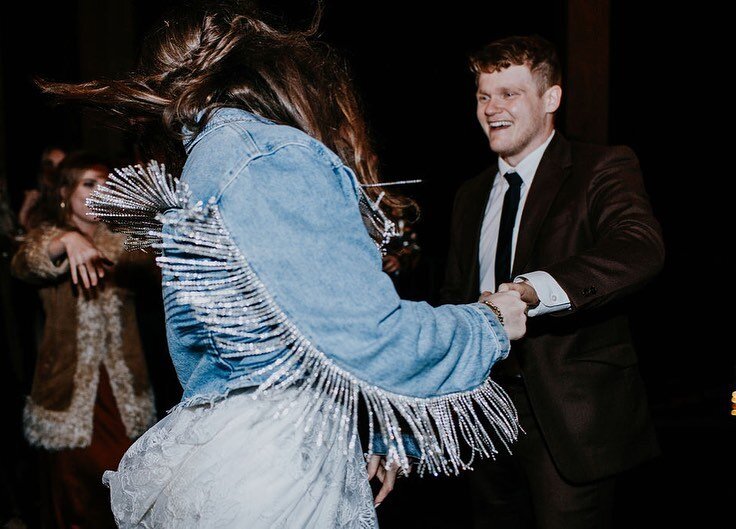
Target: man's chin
x,y
499,146
502,150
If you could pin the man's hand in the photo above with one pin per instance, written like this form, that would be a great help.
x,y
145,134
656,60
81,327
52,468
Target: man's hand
x,y
513,310
525,290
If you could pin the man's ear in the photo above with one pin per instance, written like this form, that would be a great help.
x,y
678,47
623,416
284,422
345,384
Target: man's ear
x,y
552,98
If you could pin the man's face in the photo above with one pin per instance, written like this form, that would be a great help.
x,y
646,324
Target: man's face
x,y
514,115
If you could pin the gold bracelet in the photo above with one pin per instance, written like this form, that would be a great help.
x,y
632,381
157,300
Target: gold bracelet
x,y
495,310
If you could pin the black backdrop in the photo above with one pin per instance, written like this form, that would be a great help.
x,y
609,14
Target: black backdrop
x,y
409,63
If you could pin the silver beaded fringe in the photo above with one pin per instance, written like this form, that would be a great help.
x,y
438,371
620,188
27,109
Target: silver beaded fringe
x,y
212,276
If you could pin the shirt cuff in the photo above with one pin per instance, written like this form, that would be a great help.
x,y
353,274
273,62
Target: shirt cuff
x,y
551,296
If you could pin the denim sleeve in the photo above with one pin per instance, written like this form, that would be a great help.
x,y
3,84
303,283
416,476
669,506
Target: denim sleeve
x,y
410,445
294,216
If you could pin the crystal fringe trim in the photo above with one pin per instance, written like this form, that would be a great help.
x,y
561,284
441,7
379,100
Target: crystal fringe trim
x,y
132,199
214,278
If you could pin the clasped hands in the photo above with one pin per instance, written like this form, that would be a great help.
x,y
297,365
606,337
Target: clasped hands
x,y
513,300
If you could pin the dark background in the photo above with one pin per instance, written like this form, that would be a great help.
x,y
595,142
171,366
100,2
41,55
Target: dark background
x,y
664,97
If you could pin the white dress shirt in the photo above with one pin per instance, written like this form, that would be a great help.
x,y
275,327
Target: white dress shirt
x,y
551,296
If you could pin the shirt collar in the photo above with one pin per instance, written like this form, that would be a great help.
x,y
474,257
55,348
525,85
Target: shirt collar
x,y
528,166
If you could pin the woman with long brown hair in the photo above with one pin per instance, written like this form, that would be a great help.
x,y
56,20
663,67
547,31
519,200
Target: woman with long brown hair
x,y
281,324
90,394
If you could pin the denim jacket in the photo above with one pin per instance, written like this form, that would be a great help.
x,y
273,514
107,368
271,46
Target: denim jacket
x,y
272,281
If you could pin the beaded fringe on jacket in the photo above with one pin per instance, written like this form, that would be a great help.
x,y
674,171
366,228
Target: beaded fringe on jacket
x,y
213,277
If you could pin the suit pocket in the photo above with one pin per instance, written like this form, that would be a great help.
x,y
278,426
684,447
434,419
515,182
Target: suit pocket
x,y
620,355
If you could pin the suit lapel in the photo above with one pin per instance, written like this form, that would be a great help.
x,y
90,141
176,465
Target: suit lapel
x,y
552,171
476,210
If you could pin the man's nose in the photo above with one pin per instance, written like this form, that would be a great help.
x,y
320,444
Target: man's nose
x,y
492,107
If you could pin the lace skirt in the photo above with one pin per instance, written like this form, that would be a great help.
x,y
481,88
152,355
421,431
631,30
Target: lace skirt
x,y
241,463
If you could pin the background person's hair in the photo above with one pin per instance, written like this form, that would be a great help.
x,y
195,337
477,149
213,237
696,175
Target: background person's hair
x,y
47,183
222,54
533,51
47,163
7,218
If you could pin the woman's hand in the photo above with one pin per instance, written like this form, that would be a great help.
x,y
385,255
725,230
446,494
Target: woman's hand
x,y
86,262
391,264
377,467
513,310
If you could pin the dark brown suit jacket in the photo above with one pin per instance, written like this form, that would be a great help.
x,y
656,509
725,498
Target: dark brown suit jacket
x,y
587,222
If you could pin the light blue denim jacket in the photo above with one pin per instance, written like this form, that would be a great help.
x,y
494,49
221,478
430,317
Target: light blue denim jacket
x,y
272,281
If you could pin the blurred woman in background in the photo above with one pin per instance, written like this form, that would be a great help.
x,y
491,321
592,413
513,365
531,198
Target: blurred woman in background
x,y
90,394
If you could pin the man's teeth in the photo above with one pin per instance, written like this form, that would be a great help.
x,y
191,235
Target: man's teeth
x,y
499,124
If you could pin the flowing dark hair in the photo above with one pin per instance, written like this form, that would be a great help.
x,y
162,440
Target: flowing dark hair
x,y
222,54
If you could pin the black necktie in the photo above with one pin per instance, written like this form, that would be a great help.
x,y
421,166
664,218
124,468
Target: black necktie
x,y
506,229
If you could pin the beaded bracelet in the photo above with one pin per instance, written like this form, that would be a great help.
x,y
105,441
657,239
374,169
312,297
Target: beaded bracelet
x,y
495,310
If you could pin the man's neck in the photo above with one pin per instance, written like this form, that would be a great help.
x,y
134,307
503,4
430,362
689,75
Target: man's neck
x,y
538,141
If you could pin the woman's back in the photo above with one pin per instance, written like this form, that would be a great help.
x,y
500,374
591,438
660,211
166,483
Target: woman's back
x,y
271,280
274,290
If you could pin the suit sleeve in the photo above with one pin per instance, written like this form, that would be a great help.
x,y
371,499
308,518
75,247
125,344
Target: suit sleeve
x,y
628,249
452,288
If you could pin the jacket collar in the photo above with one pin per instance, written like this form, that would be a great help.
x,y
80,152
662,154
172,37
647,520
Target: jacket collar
x,y
553,170
218,118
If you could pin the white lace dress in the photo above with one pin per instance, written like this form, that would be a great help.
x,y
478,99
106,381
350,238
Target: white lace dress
x,y
242,463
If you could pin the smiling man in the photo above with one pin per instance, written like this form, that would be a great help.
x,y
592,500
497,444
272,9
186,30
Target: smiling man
x,y
570,227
